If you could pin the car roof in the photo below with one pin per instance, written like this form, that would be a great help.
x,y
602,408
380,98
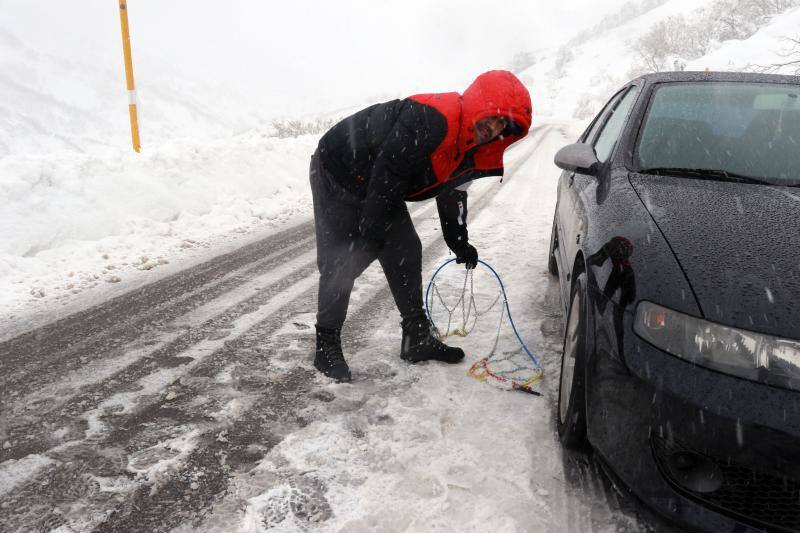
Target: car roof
x,y
752,77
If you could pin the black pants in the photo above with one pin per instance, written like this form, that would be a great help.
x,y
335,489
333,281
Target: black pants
x,y
342,255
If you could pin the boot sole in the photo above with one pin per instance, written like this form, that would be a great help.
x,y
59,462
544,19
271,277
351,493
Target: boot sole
x,y
415,361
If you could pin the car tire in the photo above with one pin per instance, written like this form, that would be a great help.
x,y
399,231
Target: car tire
x,y
552,264
571,411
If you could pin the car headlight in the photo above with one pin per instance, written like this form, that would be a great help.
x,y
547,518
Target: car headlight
x,y
746,354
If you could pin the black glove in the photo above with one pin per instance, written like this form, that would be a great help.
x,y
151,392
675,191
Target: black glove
x,y
467,255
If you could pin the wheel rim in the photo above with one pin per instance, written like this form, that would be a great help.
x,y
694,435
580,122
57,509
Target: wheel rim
x,y
568,360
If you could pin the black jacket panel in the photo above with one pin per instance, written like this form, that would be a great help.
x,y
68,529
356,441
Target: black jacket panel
x,y
381,153
350,148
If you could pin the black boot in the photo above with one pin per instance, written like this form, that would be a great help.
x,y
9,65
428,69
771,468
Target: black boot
x,y
419,344
328,358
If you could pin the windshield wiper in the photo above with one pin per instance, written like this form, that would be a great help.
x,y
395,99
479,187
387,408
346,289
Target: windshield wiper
x,y
705,173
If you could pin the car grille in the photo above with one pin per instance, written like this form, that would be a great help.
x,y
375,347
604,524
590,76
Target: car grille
x,y
750,496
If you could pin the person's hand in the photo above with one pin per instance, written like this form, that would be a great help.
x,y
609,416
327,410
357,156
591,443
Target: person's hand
x,y
467,255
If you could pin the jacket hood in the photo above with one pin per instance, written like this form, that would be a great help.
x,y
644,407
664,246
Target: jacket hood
x,y
494,93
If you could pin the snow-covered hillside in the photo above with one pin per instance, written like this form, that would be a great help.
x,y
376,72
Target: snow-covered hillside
x,y
575,81
768,46
579,79
57,101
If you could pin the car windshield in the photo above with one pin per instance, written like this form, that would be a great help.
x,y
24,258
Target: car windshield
x,y
724,130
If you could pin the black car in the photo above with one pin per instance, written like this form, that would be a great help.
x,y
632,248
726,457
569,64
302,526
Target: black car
x,y
676,241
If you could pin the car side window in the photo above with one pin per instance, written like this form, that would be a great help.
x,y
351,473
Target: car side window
x,y
600,119
612,129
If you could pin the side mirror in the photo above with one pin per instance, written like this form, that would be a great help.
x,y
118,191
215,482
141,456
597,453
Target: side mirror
x,y
578,157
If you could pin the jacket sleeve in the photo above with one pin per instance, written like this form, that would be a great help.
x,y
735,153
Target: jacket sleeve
x,y
402,155
453,217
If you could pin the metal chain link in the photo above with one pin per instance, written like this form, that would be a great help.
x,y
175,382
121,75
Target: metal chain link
x,y
469,310
468,306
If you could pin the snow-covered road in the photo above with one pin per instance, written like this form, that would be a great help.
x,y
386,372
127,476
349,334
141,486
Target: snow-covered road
x,y
191,404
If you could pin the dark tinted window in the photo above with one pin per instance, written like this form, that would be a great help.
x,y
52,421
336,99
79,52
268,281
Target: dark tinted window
x,y
743,128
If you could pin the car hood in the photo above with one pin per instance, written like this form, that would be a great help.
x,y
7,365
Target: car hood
x,y
738,244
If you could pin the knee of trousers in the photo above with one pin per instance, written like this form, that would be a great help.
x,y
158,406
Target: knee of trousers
x,y
406,253
342,260
334,267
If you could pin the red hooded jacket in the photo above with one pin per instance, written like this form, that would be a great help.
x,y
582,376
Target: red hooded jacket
x,y
494,93
423,146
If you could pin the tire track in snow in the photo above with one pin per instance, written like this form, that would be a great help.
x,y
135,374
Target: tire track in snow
x,y
112,324
30,419
118,366
74,341
134,418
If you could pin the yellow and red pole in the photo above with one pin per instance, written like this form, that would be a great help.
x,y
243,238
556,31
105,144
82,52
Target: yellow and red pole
x,y
126,49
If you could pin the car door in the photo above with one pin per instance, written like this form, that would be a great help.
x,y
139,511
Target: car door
x,y
565,206
577,198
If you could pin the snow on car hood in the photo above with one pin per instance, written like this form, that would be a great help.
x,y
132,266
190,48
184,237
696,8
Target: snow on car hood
x,y
739,245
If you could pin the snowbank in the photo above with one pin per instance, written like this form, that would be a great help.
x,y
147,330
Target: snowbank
x,y
80,222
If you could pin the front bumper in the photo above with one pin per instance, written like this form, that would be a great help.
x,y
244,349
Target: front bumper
x,y
650,413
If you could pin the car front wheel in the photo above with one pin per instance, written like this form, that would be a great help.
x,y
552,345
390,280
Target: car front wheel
x,y
571,416
552,265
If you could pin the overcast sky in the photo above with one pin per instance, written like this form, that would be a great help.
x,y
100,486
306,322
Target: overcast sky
x,y
299,55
